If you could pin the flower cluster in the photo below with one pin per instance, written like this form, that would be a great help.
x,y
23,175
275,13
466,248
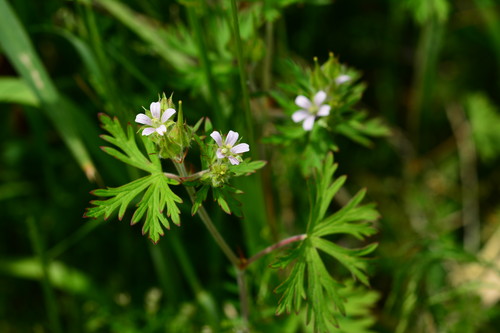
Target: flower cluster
x,y
159,123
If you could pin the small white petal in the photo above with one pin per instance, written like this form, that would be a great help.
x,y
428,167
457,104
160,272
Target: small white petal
x,y
161,130
308,123
148,130
324,110
233,160
141,118
303,102
319,98
300,115
167,114
241,148
231,138
155,109
342,79
219,153
218,138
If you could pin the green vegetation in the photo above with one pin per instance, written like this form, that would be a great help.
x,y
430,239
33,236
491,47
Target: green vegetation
x,y
249,166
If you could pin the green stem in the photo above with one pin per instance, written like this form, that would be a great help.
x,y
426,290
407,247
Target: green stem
x,y
426,60
194,21
491,19
204,299
72,239
243,76
50,300
266,69
114,102
207,221
237,263
242,287
468,176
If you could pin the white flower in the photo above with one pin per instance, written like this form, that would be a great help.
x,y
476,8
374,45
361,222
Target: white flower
x,y
226,148
311,110
342,79
156,123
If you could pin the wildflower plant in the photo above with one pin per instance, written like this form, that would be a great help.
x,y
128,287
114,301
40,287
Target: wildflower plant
x,y
320,104
222,158
286,240
327,96
165,138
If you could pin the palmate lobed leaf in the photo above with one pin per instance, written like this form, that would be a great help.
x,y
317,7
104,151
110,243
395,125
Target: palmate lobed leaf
x,y
120,197
157,196
156,186
130,152
153,203
309,281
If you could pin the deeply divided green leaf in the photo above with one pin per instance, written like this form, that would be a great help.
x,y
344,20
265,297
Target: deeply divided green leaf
x,y
309,280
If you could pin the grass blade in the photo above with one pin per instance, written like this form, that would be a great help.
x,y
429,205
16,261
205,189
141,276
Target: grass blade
x,y
16,44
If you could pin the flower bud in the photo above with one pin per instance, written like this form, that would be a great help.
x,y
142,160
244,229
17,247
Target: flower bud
x,y
218,175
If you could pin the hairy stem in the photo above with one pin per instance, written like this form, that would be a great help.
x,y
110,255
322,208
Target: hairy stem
x,y
181,179
279,245
207,221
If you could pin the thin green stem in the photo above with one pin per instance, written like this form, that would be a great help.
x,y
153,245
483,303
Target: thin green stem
x,y
242,287
243,76
110,95
191,177
207,221
468,176
426,60
160,264
194,21
204,299
72,239
266,68
50,300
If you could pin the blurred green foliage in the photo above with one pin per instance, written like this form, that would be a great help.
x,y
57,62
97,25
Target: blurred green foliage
x,y
431,71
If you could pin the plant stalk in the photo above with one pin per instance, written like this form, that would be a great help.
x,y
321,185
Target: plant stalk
x,y
468,176
243,76
243,291
48,291
267,67
194,21
271,248
207,221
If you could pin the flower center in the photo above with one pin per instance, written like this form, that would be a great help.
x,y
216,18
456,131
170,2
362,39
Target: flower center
x,y
155,122
225,150
313,109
